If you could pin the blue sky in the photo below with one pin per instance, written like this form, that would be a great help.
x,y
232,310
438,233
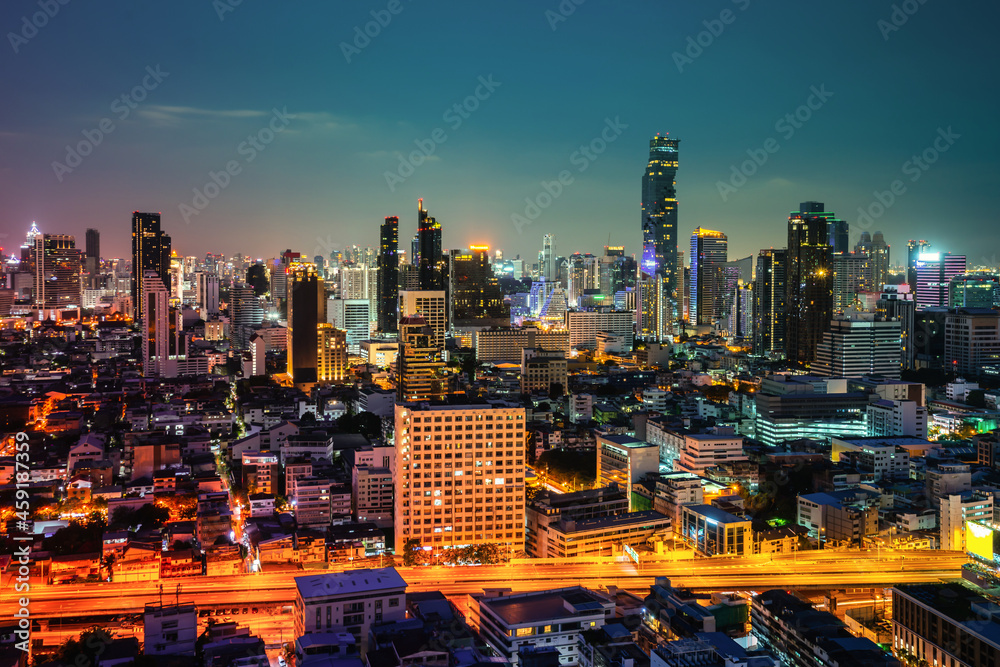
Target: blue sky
x,y
321,182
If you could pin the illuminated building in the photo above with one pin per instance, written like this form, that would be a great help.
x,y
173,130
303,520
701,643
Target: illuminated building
x,y
541,370
584,325
857,345
430,305
852,276
769,294
934,273
388,275
838,517
973,291
795,408
164,345
57,266
547,259
659,268
92,259
623,460
419,364
877,251
971,340
150,252
955,510
208,293
331,353
245,314
913,251
505,344
896,304
809,286
459,475
709,251
306,310
474,292
945,624
432,268
351,315
711,531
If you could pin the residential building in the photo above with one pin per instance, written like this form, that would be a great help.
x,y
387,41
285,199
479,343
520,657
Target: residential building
x,y
311,502
957,509
953,624
419,364
432,306
388,275
542,370
858,344
505,344
623,460
170,629
674,490
349,601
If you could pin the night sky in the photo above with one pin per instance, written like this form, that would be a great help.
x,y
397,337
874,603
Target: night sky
x,y
555,82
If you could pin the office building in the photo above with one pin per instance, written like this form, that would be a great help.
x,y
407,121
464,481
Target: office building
x,y
360,281
432,306
418,364
914,249
548,509
877,251
955,510
473,287
543,370
459,475
714,532
505,344
349,601
976,290
793,407
56,265
946,624
623,460
585,325
388,275
971,340
702,451
372,486
514,623
92,260
896,304
431,259
245,314
163,340
891,418
769,294
802,636
331,354
306,310
353,316
838,518
207,285
674,490
659,269
809,282
601,536
857,345
852,276
709,251
150,252
935,271
547,267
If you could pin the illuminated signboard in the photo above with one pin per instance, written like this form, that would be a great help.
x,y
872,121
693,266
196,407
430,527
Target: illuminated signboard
x,y
981,541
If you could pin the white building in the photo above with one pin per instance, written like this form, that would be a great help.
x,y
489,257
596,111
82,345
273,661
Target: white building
x,y
381,353
888,418
958,508
581,408
170,629
552,618
541,369
625,461
354,317
350,601
584,326
701,451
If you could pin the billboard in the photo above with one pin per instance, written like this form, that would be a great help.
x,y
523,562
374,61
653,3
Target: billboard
x,y
982,541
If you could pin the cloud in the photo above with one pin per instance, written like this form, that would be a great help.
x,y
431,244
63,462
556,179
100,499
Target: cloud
x,y
173,115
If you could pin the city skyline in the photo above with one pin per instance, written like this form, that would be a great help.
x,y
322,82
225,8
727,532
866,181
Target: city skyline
x,y
474,182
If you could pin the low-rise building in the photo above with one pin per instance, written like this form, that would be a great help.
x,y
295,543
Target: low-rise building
x,y
715,532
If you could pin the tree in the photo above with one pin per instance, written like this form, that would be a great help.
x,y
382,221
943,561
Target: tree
x,y
976,398
556,391
86,649
413,554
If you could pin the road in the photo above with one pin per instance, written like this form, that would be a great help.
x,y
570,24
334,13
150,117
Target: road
x,y
807,570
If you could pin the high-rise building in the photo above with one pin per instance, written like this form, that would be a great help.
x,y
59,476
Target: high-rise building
x,y
858,345
257,278
547,259
659,267
432,267
974,290
913,251
948,623
331,353
896,303
474,290
852,276
92,259
935,271
352,316
306,310
388,275
837,235
163,340
432,306
480,499
769,294
419,364
880,257
208,293
971,340
150,252
245,314
57,266
809,287
709,251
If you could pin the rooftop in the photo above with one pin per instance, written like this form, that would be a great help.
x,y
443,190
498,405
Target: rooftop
x,y
715,514
545,605
347,583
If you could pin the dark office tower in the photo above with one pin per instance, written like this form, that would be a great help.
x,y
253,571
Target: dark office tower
x,y
431,259
880,260
415,250
257,278
897,304
838,235
92,260
709,251
388,275
306,310
913,252
809,293
769,294
93,243
474,290
150,252
57,265
659,239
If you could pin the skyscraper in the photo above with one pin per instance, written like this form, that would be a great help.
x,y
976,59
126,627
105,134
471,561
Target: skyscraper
x,y
92,259
306,310
809,293
769,294
207,286
163,340
57,265
935,271
913,251
388,275
474,290
880,260
858,344
150,252
419,363
431,258
245,314
432,306
547,258
975,290
658,268
897,304
709,251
